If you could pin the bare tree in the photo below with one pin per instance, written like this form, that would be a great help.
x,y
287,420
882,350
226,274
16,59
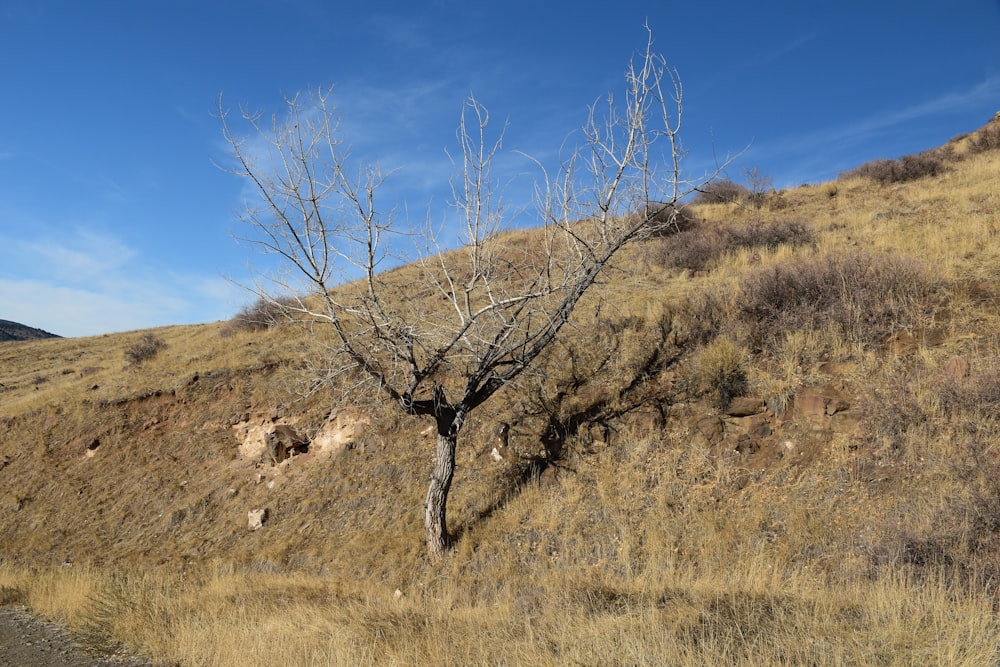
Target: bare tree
x,y
504,306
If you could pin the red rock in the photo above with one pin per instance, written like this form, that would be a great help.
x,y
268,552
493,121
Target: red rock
x,y
744,406
956,368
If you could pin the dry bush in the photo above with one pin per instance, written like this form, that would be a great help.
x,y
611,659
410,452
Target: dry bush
x,y
263,313
668,220
717,369
11,595
770,235
721,191
693,249
144,349
867,296
902,170
696,248
699,317
986,139
954,532
893,414
757,194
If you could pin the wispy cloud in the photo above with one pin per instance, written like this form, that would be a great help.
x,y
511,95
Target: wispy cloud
x,y
87,256
93,283
759,60
815,154
755,62
983,92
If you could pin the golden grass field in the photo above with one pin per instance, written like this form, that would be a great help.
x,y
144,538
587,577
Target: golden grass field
x,y
849,516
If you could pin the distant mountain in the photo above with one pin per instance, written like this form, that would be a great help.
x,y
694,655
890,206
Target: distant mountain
x,y
14,331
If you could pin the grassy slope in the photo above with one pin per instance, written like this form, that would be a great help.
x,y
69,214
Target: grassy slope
x,y
670,533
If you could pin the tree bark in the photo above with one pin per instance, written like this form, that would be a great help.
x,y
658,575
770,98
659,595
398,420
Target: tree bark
x,y
436,505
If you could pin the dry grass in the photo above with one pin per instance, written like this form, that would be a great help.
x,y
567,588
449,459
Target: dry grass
x,y
661,530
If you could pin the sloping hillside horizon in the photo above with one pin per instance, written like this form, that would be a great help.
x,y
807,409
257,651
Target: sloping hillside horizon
x,y
16,331
770,437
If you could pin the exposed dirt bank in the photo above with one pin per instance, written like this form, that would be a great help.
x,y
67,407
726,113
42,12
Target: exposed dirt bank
x,y
26,641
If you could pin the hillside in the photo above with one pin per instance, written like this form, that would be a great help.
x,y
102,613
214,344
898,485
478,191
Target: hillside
x,y
777,443
14,331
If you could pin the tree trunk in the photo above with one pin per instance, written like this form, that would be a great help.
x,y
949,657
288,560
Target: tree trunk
x,y
436,505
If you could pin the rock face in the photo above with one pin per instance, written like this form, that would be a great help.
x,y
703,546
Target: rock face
x,y
283,442
816,403
270,440
339,432
256,519
263,437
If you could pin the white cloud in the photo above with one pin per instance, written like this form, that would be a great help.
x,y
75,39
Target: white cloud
x,y
84,310
92,282
72,311
86,256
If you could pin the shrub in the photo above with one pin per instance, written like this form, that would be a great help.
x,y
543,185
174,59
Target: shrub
x,y
986,139
770,235
761,190
144,349
263,313
694,249
699,317
717,370
867,296
721,191
906,168
668,219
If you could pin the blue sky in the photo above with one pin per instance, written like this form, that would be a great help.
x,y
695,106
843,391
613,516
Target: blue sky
x,y
114,217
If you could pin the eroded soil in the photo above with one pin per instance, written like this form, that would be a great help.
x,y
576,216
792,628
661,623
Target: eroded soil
x,y
26,641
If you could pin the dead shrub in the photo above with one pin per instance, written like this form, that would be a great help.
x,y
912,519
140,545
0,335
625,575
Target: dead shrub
x,y
892,413
699,318
10,596
867,296
693,249
960,538
144,349
669,219
721,191
263,313
986,139
696,248
717,370
906,168
953,423
770,235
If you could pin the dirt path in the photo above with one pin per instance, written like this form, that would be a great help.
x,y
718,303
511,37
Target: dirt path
x,y
26,641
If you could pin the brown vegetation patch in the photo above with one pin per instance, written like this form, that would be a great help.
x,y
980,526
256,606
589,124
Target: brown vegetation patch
x,y
902,170
697,247
866,296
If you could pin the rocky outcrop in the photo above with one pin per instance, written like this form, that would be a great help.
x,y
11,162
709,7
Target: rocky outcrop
x,y
956,368
264,437
341,431
816,404
284,442
256,519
